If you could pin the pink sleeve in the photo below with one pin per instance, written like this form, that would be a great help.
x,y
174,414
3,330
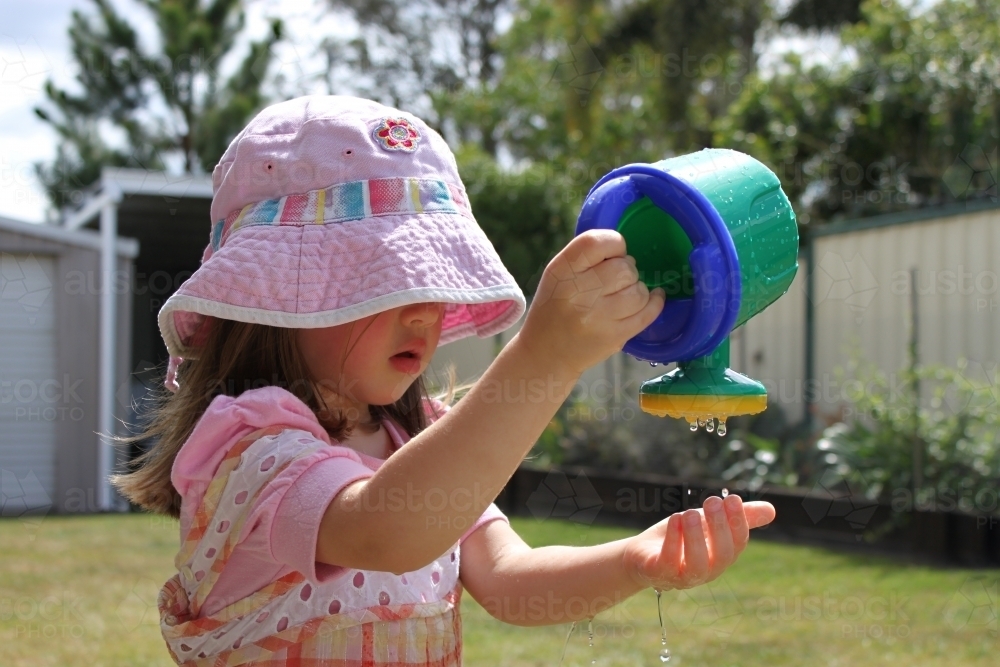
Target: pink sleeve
x,y
295,526
492,513
307,493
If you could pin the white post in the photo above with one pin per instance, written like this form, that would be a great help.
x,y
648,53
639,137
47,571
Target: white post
x,y
106,358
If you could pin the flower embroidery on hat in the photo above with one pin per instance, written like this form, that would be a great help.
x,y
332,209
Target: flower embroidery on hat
x,y
397,134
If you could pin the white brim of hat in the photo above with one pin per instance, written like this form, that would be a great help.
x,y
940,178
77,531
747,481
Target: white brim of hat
x,y
322,275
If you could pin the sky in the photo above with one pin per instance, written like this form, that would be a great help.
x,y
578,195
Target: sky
x,y
34,47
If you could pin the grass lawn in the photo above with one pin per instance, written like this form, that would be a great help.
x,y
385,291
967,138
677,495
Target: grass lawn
x,y
81,591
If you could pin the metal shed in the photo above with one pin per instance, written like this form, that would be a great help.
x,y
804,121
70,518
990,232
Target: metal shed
x,y
861,285
169,217
51,291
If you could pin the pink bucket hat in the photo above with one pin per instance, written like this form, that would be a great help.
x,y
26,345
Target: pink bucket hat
x,y
328,209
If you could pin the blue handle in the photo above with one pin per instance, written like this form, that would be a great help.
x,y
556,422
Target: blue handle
x,y
687,328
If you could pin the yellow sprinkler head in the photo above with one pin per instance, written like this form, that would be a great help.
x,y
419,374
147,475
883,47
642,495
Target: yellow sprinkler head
x,y
694,408
702,391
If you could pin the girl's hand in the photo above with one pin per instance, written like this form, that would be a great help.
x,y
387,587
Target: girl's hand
x,y
675,552
589,303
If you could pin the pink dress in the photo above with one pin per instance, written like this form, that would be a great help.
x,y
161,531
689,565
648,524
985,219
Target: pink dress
x,y
248,590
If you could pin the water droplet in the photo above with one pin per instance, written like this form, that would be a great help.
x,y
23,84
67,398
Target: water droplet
x,y
664,651
710,425
722,428
653,364
569,634
701,423
590,637
725,492
694,426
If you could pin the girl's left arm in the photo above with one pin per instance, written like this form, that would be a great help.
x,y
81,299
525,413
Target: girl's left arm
x,y
559,584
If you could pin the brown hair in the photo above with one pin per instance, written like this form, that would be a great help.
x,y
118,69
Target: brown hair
x,y
235,358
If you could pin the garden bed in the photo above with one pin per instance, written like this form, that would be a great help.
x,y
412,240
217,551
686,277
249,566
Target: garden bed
x,y
820,516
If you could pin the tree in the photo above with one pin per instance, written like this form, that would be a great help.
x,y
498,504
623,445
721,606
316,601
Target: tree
x,y
415,54
913,120
822,13
174,100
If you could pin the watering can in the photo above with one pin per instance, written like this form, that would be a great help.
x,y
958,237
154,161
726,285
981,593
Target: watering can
x,y
717,233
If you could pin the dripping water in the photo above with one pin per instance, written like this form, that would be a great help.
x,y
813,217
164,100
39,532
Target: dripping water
x,y
725,492
664,651
569,634
722,427
710,425
590,638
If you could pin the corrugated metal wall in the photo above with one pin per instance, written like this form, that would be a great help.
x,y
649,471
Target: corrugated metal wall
x,y
770,348
863,295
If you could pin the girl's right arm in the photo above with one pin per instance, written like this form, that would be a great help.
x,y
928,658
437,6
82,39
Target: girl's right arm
x,y
589,303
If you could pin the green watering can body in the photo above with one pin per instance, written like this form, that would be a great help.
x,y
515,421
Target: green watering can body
x,y
715,230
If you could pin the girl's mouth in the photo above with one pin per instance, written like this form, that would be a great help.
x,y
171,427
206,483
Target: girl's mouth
x,y
405,362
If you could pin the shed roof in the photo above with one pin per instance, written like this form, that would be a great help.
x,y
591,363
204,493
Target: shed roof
x,y
83,238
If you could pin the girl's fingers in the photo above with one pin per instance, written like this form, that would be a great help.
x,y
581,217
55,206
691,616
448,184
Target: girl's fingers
x,y
720,536
695,549
758,513
738,526
671,552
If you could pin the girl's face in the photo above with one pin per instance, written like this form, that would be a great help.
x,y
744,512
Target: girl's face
x,y
354,363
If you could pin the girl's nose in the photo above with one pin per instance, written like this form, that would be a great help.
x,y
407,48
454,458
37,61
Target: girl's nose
x,y
422,314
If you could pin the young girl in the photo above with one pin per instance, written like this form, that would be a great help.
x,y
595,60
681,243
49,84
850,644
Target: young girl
x,y
331,513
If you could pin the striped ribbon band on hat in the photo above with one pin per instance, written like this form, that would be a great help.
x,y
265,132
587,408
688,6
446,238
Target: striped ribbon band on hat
x,y
344,202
